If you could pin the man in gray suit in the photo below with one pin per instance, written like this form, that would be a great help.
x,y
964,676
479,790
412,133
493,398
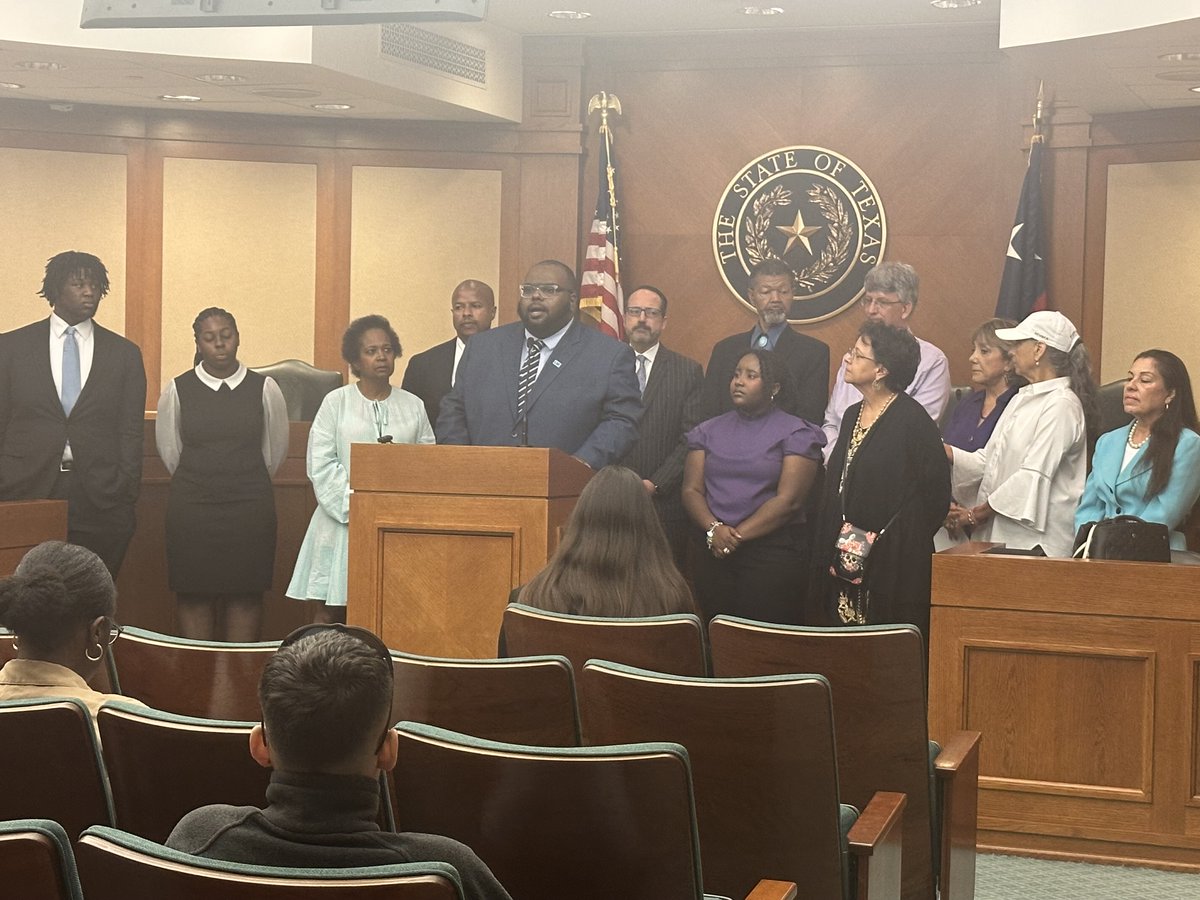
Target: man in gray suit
x,y
671,396
546,381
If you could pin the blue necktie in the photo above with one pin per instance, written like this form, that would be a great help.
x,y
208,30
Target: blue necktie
x,y
70,371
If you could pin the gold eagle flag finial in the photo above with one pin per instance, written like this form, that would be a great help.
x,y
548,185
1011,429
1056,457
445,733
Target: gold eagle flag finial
x,y
606,103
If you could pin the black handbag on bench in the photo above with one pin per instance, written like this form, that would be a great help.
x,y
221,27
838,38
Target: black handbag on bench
x,y
1124,537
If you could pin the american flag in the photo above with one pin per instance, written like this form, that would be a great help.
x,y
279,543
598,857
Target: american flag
x,y
600,288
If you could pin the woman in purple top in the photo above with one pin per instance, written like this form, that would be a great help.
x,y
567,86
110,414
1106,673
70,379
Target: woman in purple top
x,y
745,481
975,417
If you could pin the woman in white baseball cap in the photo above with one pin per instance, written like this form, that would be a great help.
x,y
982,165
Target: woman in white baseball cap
x,y
1030,475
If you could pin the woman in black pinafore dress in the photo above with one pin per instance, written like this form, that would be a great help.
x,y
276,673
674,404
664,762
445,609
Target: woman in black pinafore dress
x,y
222,432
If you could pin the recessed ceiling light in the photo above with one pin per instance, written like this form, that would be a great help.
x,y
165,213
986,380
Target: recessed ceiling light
x,y
11,85
40,66
1196,89
179,98
332,107
221,78
573,14
954,4
1187,56
762,10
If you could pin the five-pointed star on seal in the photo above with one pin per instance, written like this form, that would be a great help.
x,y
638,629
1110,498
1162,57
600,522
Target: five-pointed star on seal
x,y
798,231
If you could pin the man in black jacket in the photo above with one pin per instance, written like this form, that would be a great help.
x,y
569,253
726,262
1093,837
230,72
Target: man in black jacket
x,y
807,358
430,374
670,385
72,407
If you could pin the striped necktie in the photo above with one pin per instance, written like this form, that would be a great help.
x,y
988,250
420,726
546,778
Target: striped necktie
x,y
70,371
528,373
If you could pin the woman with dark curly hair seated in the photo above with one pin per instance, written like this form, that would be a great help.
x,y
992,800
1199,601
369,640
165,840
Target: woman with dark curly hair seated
x,y
888,477
59,605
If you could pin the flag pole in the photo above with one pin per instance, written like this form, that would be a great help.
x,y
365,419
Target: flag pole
x,y
600,295
1038,119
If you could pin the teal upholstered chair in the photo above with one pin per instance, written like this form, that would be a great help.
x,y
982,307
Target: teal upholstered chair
x,y
556,822
303,386
211,679
162,766
880,705
525,700
765,772
114,865
51,764
36,862
672,643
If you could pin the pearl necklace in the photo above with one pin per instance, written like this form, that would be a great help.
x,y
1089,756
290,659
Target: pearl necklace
x,y
1129,440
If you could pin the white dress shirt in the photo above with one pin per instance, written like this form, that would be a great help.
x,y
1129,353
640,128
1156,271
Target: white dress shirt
x,y
548,345
459,346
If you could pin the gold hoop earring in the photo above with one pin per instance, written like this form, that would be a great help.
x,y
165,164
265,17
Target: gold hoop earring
x,y
99,656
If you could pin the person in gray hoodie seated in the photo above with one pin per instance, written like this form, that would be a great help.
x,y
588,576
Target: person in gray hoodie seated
x,y
326,732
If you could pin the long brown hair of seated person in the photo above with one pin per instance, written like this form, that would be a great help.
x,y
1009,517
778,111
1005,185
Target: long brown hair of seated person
x,y
613,559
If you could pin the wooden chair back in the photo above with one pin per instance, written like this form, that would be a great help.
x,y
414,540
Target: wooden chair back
x,y
207,679
764,767
114,865
51,764
589,823
672,644
877,673
162,766
526,700
36,862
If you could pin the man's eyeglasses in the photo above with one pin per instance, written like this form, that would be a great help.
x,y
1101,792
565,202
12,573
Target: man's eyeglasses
x,y
878,303
637,312
541,290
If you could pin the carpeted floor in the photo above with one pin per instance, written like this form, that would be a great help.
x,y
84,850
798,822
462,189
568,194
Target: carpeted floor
x,y
1018,878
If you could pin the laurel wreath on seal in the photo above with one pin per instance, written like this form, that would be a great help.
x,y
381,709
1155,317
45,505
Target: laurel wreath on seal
x,y
831,258
759,223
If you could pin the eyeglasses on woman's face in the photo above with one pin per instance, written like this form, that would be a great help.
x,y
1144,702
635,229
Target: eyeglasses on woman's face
x,y
853,354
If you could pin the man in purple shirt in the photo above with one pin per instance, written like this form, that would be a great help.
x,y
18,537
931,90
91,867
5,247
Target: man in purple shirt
x,y
890,296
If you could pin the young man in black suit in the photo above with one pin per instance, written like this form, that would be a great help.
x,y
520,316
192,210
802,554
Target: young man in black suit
x,y
72,402
670,384
807,359
430,374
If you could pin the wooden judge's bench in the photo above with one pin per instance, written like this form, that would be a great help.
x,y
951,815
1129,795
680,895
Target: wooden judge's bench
x,y
439,535
1084,678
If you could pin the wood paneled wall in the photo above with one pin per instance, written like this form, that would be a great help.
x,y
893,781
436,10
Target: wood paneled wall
x,y
932,116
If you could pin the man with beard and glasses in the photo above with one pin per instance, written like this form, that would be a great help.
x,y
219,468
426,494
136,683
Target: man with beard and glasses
x,y
670,385
806,358
545,381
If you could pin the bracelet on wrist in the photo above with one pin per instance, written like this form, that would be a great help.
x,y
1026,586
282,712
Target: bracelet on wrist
x,y
713,526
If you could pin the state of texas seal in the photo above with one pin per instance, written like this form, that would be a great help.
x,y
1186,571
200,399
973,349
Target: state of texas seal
x,y
815,210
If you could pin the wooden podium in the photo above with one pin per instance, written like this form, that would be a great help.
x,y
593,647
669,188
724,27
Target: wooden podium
x,y
439,535
1084,677
26,523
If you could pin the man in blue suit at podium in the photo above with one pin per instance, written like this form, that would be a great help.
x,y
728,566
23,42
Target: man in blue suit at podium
x,y
546,381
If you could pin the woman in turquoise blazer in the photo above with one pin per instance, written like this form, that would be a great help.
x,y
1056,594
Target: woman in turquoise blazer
x,y
1151,468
